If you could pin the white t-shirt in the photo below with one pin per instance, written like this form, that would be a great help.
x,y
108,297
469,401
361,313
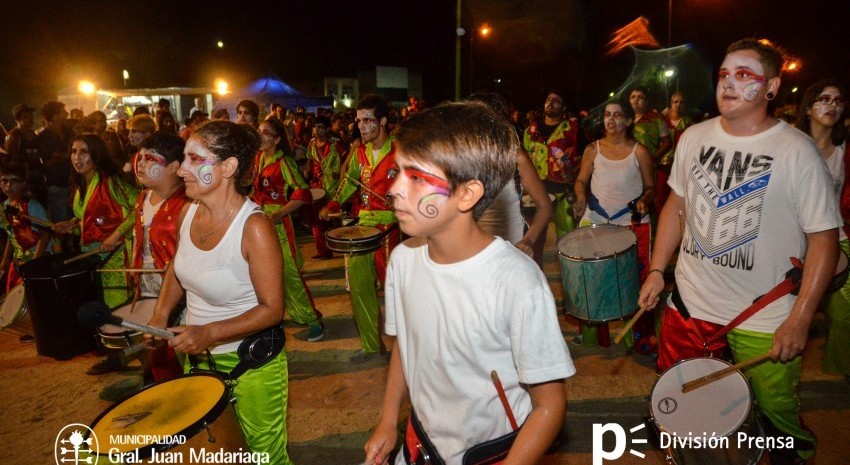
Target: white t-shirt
x,y
150,284
835,165
458,322
749,202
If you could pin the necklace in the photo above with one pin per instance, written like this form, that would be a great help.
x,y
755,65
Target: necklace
x,y
203,238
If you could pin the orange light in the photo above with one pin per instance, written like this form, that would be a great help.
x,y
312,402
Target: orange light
x,y
485,30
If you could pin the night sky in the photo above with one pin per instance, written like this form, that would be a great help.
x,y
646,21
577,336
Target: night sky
x,y
536,45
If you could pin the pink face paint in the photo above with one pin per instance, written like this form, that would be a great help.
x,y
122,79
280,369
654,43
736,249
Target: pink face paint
x,y
154,164
429,204
201,168
750,92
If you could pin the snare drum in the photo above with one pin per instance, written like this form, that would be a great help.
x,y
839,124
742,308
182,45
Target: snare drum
x,y
189,413
599,270
13,312
722,407
118,337
310,211
354,239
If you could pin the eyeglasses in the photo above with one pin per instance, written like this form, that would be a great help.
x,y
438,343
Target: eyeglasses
x,y
827,100
9,181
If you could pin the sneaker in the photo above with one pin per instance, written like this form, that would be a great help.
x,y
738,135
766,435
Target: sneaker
x,y
26,339
317,332
105,366
362,356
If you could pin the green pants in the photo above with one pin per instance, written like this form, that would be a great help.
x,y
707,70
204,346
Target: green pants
x,y
836,353
261,397
297,300
362,277
562,213
117,289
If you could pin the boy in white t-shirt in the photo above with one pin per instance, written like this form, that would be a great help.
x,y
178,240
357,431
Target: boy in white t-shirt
x,y
464,303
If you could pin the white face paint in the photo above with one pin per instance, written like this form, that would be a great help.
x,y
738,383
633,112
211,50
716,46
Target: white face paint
x,y
370,127
741,84
150,165
198,168
827,107
614,119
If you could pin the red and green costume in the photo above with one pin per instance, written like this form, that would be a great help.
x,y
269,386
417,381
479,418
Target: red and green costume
x,y
326,163
162,237
365,269
556,159
23,237
106,206
277,181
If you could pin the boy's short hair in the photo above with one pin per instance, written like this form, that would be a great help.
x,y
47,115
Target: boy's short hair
x,y
374,102
167,144
770,56
15,168
142,123
467,140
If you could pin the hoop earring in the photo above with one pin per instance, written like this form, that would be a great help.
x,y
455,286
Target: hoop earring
x,y
769,96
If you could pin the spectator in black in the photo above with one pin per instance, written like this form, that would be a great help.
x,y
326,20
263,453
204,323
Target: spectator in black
x,y
53,151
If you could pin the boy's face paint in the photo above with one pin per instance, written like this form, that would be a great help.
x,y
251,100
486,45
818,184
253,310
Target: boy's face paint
x,y
741,81
420,194
369,125
150,165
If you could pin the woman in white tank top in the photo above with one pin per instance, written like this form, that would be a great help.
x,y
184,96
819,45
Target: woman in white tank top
x,y
228,262
619,171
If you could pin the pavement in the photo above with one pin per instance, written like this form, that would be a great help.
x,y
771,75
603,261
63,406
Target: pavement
x,y
333,404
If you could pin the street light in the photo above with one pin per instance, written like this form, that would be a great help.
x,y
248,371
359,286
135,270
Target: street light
x,y
221,86
86,87
126,75
219,44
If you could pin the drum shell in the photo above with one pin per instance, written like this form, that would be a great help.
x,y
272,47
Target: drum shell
x,y
19,321
219,423
310,212
54,293
359,245
733,455
600,290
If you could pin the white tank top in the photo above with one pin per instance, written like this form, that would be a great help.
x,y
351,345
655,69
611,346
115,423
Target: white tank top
x,y
217,282
615,183
503,217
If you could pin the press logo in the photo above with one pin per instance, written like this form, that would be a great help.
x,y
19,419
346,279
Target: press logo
x,y
74,444
620,442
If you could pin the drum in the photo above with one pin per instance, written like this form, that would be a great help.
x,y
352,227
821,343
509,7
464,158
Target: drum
x,y
54,292
14,316
722,408
118,337
310,211
599,270
354,239
191,413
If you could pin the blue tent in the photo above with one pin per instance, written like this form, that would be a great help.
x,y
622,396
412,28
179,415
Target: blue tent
x,y
271,89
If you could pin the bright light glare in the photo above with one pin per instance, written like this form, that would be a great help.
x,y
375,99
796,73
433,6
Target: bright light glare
x,y
86,87
794,90
220,44
221,86
611,94
669,73
126,74
485,30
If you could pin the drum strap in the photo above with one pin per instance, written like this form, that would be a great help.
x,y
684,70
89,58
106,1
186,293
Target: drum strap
x,y
790,285
258,349
594,205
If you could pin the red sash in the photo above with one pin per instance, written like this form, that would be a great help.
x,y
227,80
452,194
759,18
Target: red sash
x,y
102,215
163,230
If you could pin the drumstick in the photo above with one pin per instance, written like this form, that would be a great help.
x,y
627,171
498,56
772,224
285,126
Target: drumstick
x,y
629,325
501,391
133,270
135,299
334,214
707,379
82,256
364,187
15,211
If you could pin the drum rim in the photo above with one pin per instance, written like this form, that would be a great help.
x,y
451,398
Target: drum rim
x,y
190,431
658,378
91,261
596,259
352,240
124,332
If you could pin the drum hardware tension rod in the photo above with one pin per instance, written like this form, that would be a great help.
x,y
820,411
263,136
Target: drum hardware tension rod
x,y
364,187
707,379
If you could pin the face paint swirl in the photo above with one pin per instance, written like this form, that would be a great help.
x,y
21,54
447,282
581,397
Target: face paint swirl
x,y
746,82
201,168
429,204
154,164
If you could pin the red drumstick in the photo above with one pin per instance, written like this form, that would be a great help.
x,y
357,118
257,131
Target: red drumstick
x,y
504,399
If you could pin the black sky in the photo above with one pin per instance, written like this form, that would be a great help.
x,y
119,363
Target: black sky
x,y
536,45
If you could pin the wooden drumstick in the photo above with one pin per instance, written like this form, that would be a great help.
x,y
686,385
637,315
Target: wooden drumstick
x,y
82,256
708,379
366,188
501,391
334,214
133,270
135,299
629,325
15,211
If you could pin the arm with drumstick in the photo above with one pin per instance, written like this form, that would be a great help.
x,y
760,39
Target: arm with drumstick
x,y
667,240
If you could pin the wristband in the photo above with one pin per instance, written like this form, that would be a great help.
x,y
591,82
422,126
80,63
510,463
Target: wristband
x,y
655,270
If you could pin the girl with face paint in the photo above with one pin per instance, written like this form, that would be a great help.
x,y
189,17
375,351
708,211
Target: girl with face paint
x,y
619,172
102,201
821,115
228,264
